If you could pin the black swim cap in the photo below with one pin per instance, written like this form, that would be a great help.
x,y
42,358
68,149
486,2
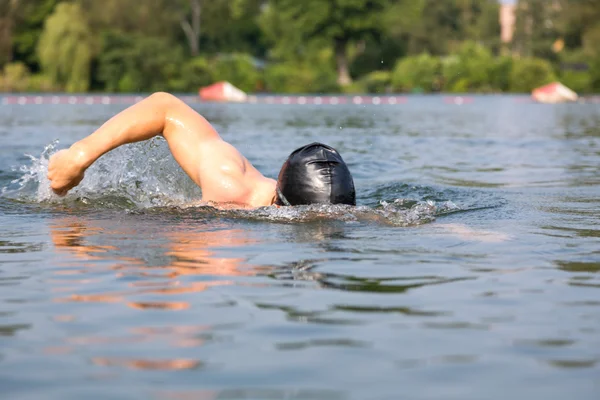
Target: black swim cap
x,y
315,173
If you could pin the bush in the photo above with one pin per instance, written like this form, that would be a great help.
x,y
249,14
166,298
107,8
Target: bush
x,y
237,68
417,73
376,82
529,73
376,55
468,70
136,63
595,75
41,83
577,79
292,77
196,73
15,77
128,84
500,73
66,47
356,87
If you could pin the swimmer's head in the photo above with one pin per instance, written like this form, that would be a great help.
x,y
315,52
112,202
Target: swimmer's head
x,y
315,173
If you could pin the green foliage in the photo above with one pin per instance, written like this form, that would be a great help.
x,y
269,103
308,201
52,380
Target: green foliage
x,y
534,35
289,22
529,73
438,27
290,77
136,63
373,55
575,71
148,18
579,25
292,26
196,73
591,40
16,77
500,72
29,24
310,46
376,82
313,74
40,83
417,74
239,69
595,74
469,70
579,81
66,48
230,26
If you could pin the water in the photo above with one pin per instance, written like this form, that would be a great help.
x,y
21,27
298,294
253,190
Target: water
x,y
469,270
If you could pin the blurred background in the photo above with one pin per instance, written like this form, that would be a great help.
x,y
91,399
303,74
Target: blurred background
x,y
291,46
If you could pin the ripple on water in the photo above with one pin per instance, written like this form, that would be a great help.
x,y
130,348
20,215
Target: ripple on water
x,y
10,247
572,363
148,364
13,329
579,266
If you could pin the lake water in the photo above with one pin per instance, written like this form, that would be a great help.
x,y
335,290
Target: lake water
x,y
469,270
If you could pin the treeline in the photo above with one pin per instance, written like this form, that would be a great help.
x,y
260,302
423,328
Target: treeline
x,y
291,46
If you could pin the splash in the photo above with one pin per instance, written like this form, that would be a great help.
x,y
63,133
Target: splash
x,y
33,184
139,175
396,213
144,176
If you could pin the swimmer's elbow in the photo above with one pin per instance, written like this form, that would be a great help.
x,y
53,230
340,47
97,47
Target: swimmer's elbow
x,y
176,116
164,100
165,105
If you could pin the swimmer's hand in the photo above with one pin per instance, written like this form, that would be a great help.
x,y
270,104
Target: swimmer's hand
x,y
65,170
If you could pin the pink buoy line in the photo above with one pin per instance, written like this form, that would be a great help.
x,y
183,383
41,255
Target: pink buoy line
x,y
262,99
254,99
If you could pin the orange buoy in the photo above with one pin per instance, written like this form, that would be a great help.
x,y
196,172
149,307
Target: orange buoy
x,y
222,91
553,93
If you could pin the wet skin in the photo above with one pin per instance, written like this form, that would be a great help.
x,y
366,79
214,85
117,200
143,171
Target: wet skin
x,y
224,174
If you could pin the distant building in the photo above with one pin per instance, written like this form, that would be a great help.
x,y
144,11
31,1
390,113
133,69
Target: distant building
x,y
507,22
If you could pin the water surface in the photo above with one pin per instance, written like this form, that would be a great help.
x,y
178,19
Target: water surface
x,y
469,270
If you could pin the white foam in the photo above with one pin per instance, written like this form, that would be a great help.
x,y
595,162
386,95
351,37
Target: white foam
x,y
143,173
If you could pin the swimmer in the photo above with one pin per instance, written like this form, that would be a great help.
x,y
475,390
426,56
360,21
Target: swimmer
x,y
312,174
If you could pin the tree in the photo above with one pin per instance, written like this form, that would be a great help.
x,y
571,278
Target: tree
x,y
231,26
417,73
529,73
579,24
66,48
138,63
480,22
535,28
29,17
7,11
133,45
191,26
337,23
148,18
440,27
239,69
201,26
469,69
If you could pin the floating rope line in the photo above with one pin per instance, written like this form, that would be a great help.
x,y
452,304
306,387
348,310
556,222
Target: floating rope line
x,y
261,99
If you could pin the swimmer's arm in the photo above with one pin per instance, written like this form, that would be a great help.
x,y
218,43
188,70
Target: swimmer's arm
x,y
161,113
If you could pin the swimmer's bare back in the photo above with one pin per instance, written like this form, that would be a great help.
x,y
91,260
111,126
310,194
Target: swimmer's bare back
x,y
222,172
